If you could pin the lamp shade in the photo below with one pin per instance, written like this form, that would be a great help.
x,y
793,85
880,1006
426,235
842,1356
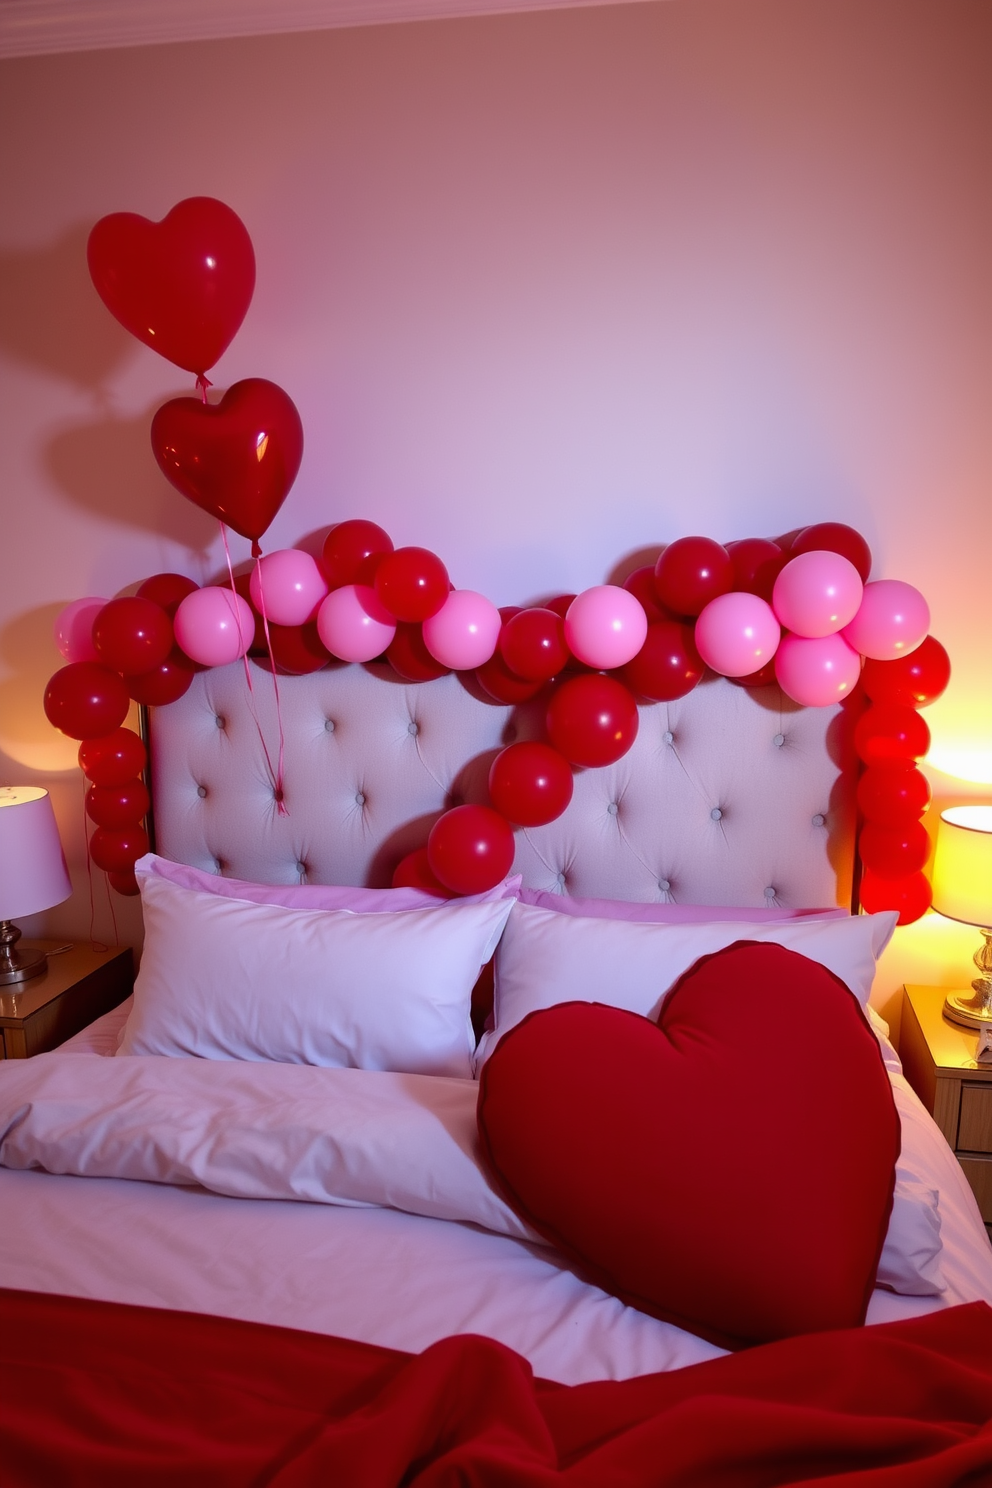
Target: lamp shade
x,y
962,868
33,875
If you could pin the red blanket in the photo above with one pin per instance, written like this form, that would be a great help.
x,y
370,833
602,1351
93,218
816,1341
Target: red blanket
x,y
97,1394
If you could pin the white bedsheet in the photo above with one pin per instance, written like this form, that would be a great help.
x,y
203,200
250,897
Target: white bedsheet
x,y
395,1278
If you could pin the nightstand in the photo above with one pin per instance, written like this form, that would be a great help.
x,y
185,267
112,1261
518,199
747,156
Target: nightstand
x,y
939,1060
77,986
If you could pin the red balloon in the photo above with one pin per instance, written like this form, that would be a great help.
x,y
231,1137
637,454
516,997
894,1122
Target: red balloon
x,y
132,635
913,680
667,666
412,583
182,285
834,537
892,795
115,851
592,720
764,677
124,883
114,759
559,604
690,572
85,700
532,643
352,551
470,848
640,584
757,562
530,783
167,590
118,806
409,657
911,895
414,872
504,686
297,649
886,732
894,852
237,458
164,684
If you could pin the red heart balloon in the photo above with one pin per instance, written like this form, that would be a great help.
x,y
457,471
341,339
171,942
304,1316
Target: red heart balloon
x,y
701,1168
182,285
237,458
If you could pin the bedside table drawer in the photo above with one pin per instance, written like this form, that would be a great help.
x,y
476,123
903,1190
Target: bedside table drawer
x,y
975,1125
978,1171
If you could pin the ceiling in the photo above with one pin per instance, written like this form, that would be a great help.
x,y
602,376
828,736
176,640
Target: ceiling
x,y
33,27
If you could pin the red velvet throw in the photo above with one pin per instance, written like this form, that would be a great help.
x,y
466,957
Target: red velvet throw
x,y
97,1395
729,1169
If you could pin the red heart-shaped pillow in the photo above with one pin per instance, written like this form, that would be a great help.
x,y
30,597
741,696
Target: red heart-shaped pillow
x,y
182,285
729,1169
237,458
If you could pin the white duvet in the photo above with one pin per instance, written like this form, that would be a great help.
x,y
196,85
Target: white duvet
x,y
353,1202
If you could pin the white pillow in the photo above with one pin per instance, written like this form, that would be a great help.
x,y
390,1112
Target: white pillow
x,y
227,979
545,958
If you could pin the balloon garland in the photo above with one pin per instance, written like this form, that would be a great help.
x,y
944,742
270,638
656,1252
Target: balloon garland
x,y
799,610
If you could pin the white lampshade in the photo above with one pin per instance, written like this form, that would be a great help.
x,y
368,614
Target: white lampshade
x,y
962,867
33,875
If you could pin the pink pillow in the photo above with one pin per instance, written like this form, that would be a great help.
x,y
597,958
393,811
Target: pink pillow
x,y
668,914
312,896
696,1167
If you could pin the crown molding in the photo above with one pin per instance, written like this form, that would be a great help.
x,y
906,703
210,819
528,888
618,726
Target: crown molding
x,y
34,27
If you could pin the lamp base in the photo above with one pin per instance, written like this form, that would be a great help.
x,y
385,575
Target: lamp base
x,y
15,965
971,1012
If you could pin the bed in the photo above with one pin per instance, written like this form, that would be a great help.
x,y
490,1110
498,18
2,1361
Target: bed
x,y
225,1258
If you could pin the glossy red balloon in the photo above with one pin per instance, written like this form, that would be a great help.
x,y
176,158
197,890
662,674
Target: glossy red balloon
x,y
132,634
690,572
592,720
894,852
352,551
167,590
182,285
504,686
667,666
118,806
124,883
530,783
914,680
560,604
893,795
409,657
238,458
834,537
412,583
165,683
470,849
886,732
414,872
532,643
911,896
757,562
297,649
640,584
86,700
117,850
113,759
764,677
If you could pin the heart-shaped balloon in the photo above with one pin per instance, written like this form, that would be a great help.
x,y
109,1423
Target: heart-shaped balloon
x,y
729,1169
237,458
182,285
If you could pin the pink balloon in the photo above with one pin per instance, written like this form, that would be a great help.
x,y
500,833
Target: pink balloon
x,y
354,624
892,621
464,631
737,634
817,594
291,584
605,626
214,626
816,671
74,629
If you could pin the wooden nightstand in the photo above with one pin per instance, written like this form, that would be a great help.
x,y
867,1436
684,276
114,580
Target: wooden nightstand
x,y
76,987
939,1060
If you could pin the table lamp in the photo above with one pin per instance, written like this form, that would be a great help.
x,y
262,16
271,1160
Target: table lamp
x,y
33,874
962,890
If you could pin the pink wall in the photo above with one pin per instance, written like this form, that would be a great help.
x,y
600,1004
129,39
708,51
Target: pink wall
x,y
546,289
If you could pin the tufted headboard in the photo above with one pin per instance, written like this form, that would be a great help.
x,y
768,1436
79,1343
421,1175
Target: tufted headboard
x,y
729,796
